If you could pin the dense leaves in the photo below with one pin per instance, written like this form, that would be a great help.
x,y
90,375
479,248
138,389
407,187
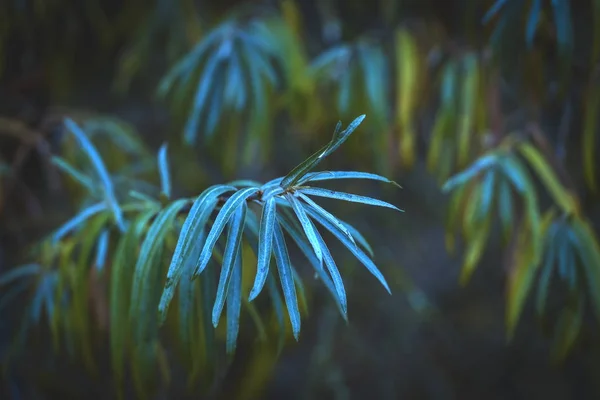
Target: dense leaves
x,y
210,227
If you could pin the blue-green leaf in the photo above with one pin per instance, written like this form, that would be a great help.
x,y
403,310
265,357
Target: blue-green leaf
x,y
19,272
163,167
307,226
232,250
338,283
102,249
79,176
287,279
227,210
327,215
334,175
475,169
296,234
350,197
356,251
234,303
532,21
497,6
359,237
192,228
101,170
77,220
150,247
204,85
265,246
339,137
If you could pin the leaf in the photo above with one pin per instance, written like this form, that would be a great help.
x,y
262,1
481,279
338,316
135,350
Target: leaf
x,y
192,227
469,89
227,210
100,168
475,169
334,175
204,84
265,246
506,208
356,251
320,192
79,176
475,249
234,302
77,220
306,249
148,255
327,215
335,276
589,253
287,280
120,286
102,248
548,177
532,21
546,273
19,272
497,6
232,250
163,167
303,168
309,229
590,129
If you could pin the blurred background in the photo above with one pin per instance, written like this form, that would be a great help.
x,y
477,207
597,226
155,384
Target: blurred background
x,y
495,274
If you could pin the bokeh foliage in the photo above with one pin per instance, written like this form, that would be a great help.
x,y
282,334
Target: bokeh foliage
x,y
474,110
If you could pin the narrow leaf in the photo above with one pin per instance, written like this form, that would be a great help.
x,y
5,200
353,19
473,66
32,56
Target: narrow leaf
x,y
307,226
287,279
227,210
232,250
354,198
163,167
265,246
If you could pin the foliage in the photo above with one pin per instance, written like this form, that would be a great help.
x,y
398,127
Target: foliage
x,y
125,241
489,111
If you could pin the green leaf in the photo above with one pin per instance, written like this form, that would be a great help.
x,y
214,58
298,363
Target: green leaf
x,y
265,246
309,229
547,269
120,285
338,139
192,228
227,210
354,198
589,252
163,167
100,168
234,303
287,279
356,251
232,250
151,245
